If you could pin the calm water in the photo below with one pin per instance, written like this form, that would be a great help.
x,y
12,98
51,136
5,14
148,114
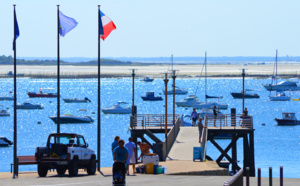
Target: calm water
x,y
274,145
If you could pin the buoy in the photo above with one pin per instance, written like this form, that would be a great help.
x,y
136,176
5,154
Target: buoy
x,y
50,101
263,124
39,122
93,112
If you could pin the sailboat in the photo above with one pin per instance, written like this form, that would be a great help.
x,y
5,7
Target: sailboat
x,y
208,105
283,85
280,95
177,89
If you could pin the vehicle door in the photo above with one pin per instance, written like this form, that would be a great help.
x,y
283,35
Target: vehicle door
x,y
84,155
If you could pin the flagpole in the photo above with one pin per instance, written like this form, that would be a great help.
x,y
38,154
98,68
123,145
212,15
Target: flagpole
x,y
99,98
15,98
58,75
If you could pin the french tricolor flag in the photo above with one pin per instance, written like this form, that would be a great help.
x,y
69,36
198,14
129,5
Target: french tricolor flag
x,y
106,26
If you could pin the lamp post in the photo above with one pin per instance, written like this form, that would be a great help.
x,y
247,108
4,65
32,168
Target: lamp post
x,y
166,80
243,74
174,73
133,107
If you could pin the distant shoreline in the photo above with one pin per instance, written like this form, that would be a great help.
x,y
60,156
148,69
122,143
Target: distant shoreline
x,y
185,71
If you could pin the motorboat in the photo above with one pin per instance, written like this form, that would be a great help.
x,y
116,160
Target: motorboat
x,y
239,95
210,113
147,79
177,91
282,86
44,93
210,105
6,98
117,109
75,100
280,96
4,142
4,113
288,118
27,105
189,101
150,97
68,118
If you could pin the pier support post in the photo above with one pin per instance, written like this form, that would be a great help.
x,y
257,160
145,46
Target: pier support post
x,y
234,153
251,154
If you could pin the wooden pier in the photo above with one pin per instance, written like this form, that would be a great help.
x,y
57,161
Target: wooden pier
x,y
235,125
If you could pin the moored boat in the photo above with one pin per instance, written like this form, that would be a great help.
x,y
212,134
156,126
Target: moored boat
x,y
147,79
189,101
68,118
288,118
27,105
117,109
239,95
177,91
280,96
42,94
150,97
75,100
4,142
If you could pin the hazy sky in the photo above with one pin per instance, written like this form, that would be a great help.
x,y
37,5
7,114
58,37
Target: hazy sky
x,y
155,28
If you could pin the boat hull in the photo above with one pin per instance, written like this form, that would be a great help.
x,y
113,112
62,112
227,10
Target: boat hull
x,y
3,115
209,106
6,98
39,95
287,122
70,120
182,92
152,98
75,101
110,111
281,88
239,95
280,98
31,107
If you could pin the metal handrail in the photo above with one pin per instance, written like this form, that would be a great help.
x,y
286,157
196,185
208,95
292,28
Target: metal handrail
x,y
151,120
229,120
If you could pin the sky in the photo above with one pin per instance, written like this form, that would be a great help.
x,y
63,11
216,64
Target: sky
x,y
155,28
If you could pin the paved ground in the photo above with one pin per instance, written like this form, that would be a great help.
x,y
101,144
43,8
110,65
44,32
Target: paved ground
x,y
31,178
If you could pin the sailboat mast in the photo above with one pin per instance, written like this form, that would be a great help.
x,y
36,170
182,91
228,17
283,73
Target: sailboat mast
x,y
276,68
205,61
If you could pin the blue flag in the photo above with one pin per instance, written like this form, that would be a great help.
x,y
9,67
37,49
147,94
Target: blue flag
x,y
66,24
17,29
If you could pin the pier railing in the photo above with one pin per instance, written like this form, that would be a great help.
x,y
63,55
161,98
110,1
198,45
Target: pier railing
x,y
151,120
229,120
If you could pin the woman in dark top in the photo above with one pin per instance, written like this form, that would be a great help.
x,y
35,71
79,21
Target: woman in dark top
x,y
215,114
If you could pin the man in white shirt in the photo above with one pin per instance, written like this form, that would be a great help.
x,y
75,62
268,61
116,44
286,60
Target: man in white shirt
x,y
131,154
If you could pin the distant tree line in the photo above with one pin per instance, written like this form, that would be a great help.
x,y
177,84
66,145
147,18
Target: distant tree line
x,y
8,60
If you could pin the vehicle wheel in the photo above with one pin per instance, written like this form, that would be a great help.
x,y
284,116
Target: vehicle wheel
x,y
91,168
42,170
73,167
60,170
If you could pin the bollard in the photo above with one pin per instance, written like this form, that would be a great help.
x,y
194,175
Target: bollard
x,y
247,176
281,176
270,176
259,177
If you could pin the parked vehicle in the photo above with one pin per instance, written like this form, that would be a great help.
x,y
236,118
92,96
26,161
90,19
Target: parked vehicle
x,y
65,151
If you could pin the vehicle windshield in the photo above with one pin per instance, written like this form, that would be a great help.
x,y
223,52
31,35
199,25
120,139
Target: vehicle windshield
x,y
65,140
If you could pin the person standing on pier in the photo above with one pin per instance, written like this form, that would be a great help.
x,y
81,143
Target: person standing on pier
x,y
194,117
115,144
215,114
200,128
131,154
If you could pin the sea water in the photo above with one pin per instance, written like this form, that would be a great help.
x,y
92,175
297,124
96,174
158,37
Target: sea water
x,y
275,145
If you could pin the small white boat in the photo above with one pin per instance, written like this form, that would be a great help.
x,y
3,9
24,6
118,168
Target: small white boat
x,y
4,113
27,105
68,118
188,102
147,79
4,142
210,105
75,100
282,86
280,96
117,109
177,91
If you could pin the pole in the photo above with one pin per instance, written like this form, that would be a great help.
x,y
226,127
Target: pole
x,y
166,111
15,98
99,97
205,79
173,76
58,74
276,67
133,74
243,74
